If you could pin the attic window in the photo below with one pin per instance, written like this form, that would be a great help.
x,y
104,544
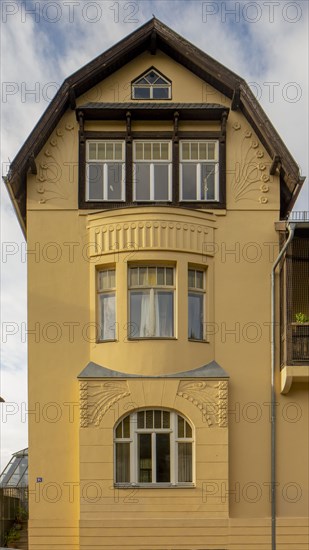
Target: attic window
x,y
151,85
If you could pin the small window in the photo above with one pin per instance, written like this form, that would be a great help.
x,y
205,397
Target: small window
x,y
105,171
106,292
151,299
152,171
196,304
154,447
151,85
199,171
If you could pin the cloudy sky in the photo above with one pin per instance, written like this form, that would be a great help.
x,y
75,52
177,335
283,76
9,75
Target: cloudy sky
x,y
43,42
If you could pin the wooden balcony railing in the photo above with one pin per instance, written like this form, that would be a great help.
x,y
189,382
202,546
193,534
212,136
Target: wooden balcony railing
x,y
299,351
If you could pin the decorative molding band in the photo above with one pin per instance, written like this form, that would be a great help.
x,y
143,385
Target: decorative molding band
x,y
209,397
97,398
149,234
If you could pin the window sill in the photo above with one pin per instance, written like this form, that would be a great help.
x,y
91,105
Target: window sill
x,y
106,341
152,338
198,340
154,486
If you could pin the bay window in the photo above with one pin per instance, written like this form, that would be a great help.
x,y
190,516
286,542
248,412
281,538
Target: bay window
x,y
152,171
151,302
105,171
199,171
196,306
153,446
106,296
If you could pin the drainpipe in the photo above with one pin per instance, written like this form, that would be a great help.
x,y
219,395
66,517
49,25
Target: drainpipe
x,y
291,228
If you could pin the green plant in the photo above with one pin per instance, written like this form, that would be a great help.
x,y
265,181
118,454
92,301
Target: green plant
x,y
301,318
22,514
12,536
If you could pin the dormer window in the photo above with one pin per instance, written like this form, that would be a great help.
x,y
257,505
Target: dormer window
x,y
151,85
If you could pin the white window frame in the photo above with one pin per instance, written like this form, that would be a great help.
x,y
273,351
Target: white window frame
x,y
152,163
202,292
105,163
174,441
166,86
107,291
166,288
198,163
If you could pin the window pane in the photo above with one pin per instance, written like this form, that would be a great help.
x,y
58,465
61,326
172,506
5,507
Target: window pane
x,y
191,277
160,93
169,276
194,150
109,151
103,280
199,279
141,93
208,181
163,458
139,151
158,420
156,151
203,151
92,151
160,275
101,151
165,152
122,462
141,419
108,316
195,320
142,182
211,151
126,426
145,464
189,182
114,185
119,431
184,462
111,277
181,427
118,151
147,151
166,419
161,188
135,314
164,313
149,419
185,151
188,430
133,276
152,77
95,181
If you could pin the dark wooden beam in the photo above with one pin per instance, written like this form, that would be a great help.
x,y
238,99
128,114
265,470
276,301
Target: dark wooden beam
x,y
72,99
223,125
153,43
128,125
236,100
176,124
274,165
81,126
32,165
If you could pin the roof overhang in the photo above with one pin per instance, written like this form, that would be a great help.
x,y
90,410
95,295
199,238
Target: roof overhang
x,y
151,36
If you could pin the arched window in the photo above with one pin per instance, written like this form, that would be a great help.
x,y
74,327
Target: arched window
x,y
152,447
151,85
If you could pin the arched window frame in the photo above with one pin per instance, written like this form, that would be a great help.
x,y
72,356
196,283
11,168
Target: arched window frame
x,y
132,442
155,88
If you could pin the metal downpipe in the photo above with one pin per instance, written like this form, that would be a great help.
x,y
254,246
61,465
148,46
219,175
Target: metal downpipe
x,y
291,228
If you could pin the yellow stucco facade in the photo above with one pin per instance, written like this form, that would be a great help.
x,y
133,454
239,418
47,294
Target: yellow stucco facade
x,y
74,500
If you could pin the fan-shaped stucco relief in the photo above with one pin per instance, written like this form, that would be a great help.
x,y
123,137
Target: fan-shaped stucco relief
x,y
98,397
249,184
56,182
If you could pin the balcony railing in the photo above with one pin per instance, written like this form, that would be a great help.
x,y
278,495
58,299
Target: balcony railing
x,y
300,343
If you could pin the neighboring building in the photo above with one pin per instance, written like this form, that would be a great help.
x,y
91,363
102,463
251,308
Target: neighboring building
x,y
149,192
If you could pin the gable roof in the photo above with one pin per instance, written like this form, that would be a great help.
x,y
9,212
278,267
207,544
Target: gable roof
x,y
151,36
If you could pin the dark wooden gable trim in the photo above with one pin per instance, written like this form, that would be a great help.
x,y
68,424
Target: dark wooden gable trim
x,y
152,35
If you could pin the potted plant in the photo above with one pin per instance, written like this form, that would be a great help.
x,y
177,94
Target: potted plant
x,y
301,318
12,538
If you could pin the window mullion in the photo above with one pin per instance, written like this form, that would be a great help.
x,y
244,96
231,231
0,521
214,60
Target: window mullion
x,y
151,181
153,457
133,449
198,182
105,183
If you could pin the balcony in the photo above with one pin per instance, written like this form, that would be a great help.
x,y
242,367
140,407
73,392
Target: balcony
x,y
294,309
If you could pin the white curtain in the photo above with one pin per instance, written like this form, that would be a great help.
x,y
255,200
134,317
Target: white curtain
x,y
150,318
108,318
